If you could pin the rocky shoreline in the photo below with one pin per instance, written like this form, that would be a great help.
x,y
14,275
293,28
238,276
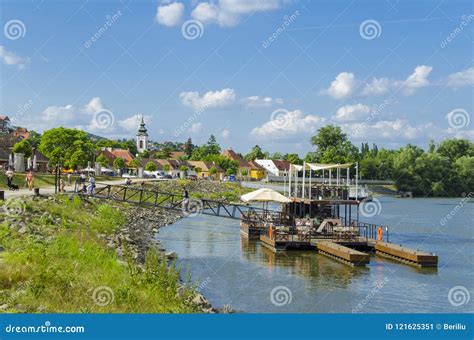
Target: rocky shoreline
x,y
139,235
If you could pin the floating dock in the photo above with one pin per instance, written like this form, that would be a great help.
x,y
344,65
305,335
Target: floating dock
x,y
341,253
405,255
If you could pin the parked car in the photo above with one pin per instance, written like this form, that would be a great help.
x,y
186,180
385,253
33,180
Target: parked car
x,y
128,176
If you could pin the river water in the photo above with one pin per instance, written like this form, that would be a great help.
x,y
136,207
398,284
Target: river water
x,y
243,274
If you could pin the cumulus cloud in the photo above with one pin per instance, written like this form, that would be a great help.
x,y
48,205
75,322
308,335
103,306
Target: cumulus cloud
x,y
287,124
95,105
341,87
195,128
349,113
170,14
228,12
211,99
462,78
132,123
258,102
10,58
346,85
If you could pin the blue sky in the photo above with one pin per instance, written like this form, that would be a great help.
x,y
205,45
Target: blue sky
x,y
250,72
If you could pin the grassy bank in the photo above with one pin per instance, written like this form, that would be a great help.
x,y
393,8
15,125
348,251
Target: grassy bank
x,y
42,180
56,258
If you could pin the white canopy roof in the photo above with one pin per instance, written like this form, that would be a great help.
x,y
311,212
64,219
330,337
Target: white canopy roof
x,y
318,166
264,195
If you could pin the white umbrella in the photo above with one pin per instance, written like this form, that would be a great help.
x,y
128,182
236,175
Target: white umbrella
x,y
264,195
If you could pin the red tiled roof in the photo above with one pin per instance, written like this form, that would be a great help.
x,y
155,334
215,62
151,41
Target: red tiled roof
x,y
255,166
236,157
281,164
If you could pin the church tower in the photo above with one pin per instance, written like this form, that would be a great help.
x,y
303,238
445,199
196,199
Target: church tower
x,y
142,138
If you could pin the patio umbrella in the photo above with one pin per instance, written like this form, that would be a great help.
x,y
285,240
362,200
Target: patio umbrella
x,y
265,195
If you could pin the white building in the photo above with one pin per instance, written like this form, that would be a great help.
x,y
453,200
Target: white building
x,y
142,138
277,168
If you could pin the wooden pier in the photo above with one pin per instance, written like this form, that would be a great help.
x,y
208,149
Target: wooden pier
x,y
341,253
405,255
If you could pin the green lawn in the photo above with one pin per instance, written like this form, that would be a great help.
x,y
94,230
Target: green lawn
x,y
56,260
42,180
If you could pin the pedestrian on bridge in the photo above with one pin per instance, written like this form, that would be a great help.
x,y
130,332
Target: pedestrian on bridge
x,y
186,199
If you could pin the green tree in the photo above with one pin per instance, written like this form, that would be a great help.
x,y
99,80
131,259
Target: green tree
x,y
464,167
71,147
134,163
166,167
150,166
213,170
256,153
188,147
333,146
34,139
119,163
23,147
456,148
102,160
293,158
212,147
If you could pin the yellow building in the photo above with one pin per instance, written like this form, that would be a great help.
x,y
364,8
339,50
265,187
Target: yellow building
x,y
257,172
203,169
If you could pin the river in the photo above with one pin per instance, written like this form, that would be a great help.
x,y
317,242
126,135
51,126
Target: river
x,y
243,274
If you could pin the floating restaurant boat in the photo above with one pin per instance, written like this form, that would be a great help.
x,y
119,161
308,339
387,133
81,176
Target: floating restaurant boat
x,y
322,216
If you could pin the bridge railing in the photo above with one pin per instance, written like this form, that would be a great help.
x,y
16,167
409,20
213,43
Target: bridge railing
x,y
156,198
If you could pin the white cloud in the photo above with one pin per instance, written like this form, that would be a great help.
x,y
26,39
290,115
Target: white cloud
x,y
341,87
58,114
132,123
170,15
462,78
95,105
287,124
396,130
195,128
418,79
258,102
10,58
346,85
211,99
225,133
228,12
355,112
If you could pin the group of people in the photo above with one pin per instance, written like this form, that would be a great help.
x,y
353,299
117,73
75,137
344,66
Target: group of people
x,y
87,186
28,179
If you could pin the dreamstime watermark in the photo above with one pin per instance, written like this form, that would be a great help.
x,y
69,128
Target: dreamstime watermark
x,y
103,296
288,20
458,119
14,29
193,207
281,118
14,207
458,296
21,110
370,29
189,122
46,328
103,119
203,284
369,207
20,290
109,21
465,21
192,29
456,209
281,295
370,295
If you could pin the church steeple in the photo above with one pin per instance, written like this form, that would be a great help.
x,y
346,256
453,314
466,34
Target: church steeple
x,y
142,131
142,137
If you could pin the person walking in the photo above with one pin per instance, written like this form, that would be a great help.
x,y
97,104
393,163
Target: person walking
x,y
69,179
29,180
91,186
9,174
186,200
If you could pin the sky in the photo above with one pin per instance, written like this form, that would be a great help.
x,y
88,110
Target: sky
x,y
250,72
